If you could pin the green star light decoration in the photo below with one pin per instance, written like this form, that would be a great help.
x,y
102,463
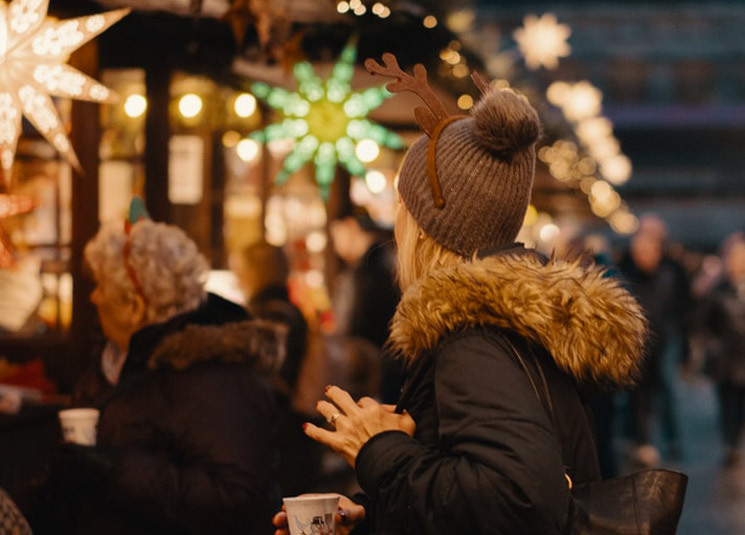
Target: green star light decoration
x,y
326,119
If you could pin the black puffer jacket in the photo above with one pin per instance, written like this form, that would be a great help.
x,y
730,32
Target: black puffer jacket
x,y
485,457
190,428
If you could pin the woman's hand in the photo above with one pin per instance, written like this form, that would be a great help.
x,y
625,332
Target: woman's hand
x,y
355,423
348,517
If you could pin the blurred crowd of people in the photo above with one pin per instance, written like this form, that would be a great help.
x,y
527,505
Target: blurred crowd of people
x,y
695,306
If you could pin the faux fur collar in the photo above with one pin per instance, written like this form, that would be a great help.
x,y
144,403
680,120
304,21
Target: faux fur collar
x,y
260,343
591,325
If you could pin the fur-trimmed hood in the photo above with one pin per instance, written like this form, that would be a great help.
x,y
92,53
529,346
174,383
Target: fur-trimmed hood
x,y
593,328
256,342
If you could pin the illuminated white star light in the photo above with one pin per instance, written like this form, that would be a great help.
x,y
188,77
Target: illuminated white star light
x,y
542,41
33,52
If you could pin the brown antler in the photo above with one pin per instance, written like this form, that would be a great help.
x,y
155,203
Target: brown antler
x,y
427,119
480,82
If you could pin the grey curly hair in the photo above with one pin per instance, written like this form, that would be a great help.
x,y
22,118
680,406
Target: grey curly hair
x,y
166,263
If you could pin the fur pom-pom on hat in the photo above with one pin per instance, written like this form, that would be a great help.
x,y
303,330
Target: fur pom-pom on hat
x,y
506,122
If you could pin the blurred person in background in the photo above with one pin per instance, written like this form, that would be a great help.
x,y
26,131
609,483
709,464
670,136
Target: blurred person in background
x,y
655,280
724,325
366,293
184,438
263,272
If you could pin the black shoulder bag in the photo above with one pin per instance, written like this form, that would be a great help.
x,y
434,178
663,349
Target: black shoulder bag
x,y
648,502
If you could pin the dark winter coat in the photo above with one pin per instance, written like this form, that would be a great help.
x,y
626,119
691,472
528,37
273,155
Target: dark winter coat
x,y
300,457
664,298
375,294
485,458
725,341
189,426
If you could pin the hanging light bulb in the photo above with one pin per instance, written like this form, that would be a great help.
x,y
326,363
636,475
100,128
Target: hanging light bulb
x,y
245,105
367,150
135,105
190,105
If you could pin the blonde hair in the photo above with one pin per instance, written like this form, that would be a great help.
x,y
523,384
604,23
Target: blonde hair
x,y
416,253
166,263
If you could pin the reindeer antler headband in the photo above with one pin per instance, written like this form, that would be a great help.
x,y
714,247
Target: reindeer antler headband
x,y
433,119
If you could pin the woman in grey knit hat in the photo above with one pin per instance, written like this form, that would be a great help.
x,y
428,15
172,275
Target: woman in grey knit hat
x,y
485,327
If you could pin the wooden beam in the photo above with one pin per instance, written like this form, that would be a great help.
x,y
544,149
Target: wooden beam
x,y
85,136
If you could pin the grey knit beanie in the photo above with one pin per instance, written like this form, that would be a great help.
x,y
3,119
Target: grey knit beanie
x,y
485,165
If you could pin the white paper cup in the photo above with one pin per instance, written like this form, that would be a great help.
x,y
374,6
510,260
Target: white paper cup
x,y
79,426
312,514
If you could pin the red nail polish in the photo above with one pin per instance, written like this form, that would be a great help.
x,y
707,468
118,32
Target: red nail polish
x,y
305,426
327,388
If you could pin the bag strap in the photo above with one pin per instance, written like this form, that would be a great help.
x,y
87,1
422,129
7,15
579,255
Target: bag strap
x,y
547,405
545,400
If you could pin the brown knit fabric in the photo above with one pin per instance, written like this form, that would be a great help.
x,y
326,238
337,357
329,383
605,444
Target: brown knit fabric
x,y
485,167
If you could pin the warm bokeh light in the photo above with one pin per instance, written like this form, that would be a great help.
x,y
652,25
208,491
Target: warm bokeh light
x,y
549,233
582,101
342,7
465,102
461,20
244,105
616,169
376,181
314,278
590,130
367,150
247,149
430,21
624,222
190,105
135,106
316,241
231,138
461,71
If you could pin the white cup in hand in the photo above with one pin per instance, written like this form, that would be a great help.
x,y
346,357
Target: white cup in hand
x,y
79,426
311,514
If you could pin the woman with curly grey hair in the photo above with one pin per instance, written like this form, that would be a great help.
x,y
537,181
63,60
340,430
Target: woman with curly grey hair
x,y
186,406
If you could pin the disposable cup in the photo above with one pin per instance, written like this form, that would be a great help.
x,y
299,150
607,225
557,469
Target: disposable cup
x,y
312,514
79,426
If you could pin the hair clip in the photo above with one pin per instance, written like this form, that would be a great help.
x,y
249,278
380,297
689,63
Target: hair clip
x,y
137,212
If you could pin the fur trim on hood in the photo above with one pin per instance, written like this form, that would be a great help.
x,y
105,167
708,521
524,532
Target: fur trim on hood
x,y
258,342
593,328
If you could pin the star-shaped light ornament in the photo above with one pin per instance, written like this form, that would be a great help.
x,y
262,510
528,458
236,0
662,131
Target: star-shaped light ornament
x,y
542,41
326,119
33,53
